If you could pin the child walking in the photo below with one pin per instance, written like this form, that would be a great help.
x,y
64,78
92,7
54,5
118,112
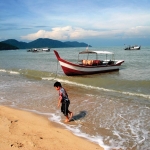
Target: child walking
x,y
64,101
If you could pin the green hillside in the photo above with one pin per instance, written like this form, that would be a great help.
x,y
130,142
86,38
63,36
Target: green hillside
x,y
4,46
44,42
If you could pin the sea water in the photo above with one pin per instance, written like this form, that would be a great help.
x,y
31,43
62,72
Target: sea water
x,y
110,109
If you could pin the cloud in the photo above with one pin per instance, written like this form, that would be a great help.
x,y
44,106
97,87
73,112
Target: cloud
x,y
72,33
138,31
62,33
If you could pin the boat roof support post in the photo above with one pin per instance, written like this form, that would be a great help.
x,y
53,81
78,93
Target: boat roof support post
x,y
88,56
78,58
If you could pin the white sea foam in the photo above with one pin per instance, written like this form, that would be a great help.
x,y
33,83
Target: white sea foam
x,y
9,71
13,72
2,70
2,99
136,94
48,78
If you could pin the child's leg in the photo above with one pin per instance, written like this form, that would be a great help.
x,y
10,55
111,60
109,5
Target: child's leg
x,y
67,119
71,114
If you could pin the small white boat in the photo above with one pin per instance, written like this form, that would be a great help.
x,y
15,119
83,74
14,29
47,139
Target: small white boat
x,y
90,66
135,47
39,50
46,49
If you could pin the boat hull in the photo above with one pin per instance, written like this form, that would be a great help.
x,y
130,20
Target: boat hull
x,y
71,69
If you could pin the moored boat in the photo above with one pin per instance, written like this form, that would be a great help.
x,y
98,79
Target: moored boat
x,y
90,66
39,50
46,49
135,47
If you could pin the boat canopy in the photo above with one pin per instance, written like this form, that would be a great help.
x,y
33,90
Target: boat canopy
x,y
106,53
96,52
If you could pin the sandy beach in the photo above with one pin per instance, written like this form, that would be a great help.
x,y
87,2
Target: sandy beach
x,y
28,131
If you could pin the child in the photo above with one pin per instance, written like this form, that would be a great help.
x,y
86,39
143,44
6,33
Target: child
x,y
64,100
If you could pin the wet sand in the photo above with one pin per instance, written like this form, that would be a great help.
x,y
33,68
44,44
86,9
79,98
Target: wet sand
x,y
28,131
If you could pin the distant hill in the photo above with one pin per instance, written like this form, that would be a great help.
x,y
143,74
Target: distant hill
x,y
4,46
44,42
77,44
21,45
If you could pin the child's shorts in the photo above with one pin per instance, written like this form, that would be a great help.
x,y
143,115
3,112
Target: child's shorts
x,y
64,108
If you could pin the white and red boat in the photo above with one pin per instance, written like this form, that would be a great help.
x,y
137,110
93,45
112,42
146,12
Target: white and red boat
x,y
90,66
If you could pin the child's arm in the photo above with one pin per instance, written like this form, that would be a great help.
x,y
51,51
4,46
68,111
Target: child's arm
x,y
59,101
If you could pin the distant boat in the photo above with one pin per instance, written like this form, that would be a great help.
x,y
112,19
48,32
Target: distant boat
x,y
135,47
46,49
39,50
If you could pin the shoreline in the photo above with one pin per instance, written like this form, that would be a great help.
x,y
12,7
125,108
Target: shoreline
x,y
30,131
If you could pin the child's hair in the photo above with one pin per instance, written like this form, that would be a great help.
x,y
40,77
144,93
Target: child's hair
x,y
57,84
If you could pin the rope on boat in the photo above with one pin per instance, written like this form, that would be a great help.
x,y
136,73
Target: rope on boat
x,y
56,72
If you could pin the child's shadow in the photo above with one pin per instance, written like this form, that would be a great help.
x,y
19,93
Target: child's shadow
x,y
79,116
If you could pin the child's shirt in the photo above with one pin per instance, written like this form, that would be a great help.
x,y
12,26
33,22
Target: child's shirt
x,y
63,93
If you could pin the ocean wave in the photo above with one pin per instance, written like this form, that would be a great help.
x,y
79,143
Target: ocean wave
x,y
3,70
98,88
29,73
9,71
14,72
52,76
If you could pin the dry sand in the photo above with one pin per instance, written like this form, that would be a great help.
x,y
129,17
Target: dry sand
x,y
21,130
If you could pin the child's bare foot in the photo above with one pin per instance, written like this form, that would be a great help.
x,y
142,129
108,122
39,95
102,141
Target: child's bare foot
x,y
67,120
71,114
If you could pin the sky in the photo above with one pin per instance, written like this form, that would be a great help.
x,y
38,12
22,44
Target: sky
x,y
95,22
